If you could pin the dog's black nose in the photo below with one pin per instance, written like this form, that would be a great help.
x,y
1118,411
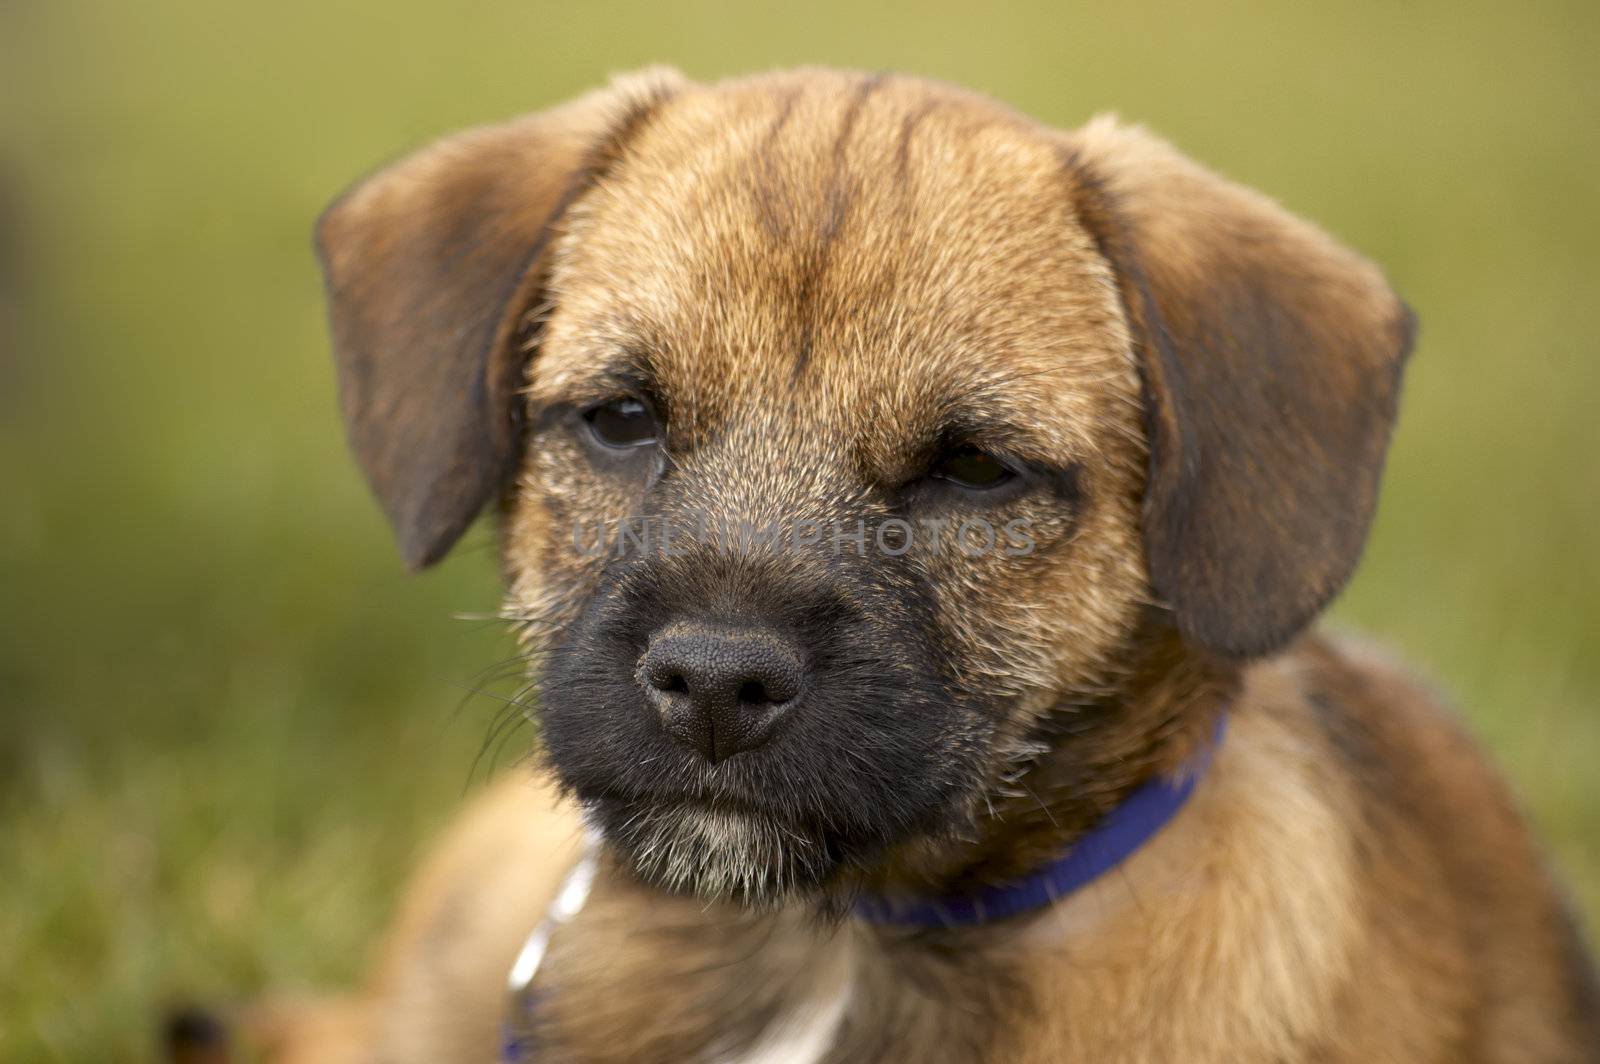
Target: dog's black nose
x,y
720,690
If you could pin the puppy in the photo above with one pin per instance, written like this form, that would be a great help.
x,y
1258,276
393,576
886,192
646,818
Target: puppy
x,y
914,516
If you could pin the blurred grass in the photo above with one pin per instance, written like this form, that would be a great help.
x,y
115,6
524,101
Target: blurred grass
x,y
226,717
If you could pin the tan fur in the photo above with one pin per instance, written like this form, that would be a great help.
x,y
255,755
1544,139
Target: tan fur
x,y
820,265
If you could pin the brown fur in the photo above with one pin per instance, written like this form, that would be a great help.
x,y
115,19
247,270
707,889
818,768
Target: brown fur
x,y
1213,383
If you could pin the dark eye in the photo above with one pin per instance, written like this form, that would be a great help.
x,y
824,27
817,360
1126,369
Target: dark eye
x,y
969,467
622,423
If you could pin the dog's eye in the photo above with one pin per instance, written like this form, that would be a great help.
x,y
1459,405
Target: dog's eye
x,y
622,423
968,467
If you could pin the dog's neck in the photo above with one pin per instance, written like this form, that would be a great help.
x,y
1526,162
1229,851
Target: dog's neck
x,y
1166,712
1134,821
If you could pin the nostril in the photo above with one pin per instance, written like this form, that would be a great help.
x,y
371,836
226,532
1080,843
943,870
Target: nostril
x,y
674,684
754,693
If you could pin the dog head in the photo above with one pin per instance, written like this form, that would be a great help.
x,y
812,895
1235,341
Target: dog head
x,y
855,440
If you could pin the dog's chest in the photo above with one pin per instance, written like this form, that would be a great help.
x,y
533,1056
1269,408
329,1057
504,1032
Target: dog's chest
x,y
695,984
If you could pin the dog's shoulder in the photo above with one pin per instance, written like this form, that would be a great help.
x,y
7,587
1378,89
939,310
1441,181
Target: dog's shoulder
x,y
1457,894
1410,753
1351,882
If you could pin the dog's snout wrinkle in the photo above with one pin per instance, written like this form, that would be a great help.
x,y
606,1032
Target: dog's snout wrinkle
x,y
720,690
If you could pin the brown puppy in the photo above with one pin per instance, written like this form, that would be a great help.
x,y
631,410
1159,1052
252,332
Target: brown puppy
x,y
891,490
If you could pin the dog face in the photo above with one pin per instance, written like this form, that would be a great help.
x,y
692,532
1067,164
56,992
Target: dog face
x,y
856,439
830,360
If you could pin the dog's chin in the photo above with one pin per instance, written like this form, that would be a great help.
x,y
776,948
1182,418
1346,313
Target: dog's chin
x,y
719,852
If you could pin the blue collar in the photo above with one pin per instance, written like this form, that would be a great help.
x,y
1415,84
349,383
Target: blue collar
x,y
1113,840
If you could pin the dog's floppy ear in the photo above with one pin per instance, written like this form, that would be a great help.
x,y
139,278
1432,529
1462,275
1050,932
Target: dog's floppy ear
x,y
432,266
1272,358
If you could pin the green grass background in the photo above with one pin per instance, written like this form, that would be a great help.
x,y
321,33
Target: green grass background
x,y
228,720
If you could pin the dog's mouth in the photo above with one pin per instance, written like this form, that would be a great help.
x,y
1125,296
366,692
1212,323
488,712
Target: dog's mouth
x,y
718,848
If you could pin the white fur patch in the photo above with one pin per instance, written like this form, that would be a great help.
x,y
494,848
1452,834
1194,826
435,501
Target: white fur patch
x,y
804,1033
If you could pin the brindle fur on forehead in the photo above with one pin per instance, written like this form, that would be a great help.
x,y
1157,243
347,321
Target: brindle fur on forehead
x,y
874,254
